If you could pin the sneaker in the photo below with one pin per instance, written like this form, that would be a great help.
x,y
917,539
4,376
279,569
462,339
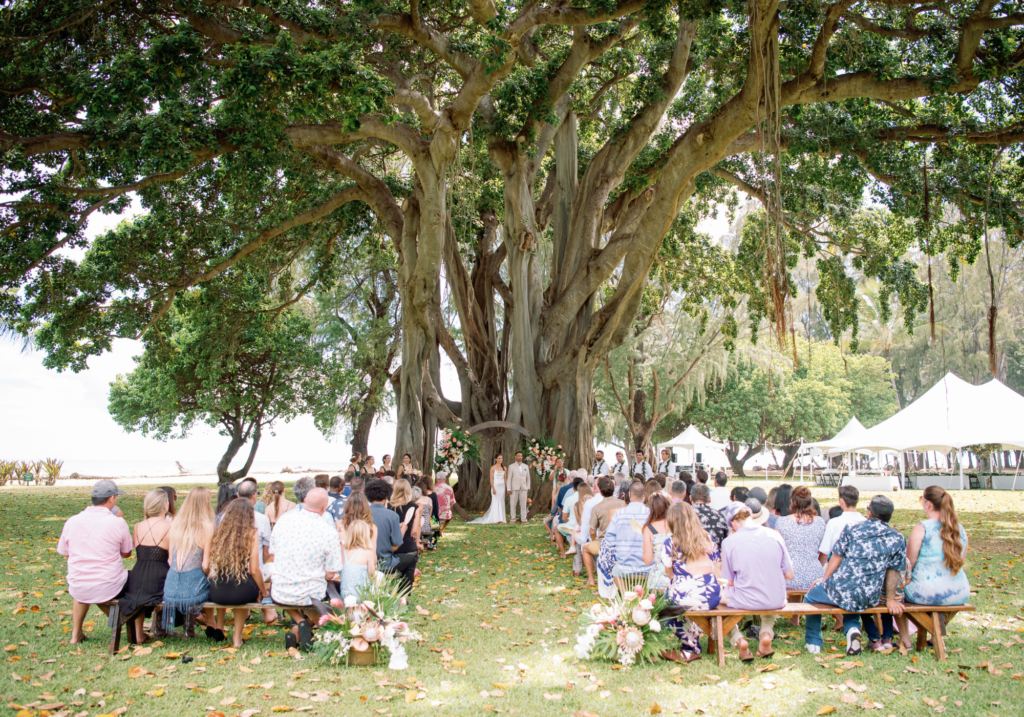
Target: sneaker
x,y
571,551
814,649
853,646
882,646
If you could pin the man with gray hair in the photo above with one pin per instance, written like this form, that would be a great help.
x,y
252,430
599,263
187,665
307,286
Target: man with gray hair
x,y
865,565
678,491
302,488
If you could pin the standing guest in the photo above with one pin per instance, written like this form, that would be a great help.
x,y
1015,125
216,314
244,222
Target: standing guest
x,y
235,575
620,465
802,531
641,468
406,469
600,515
655,531
277,504
385,463
172,501
600,467
445,501
848,497
936,551
247,492
739,494
390,536
306,554
358,558
755,566
622,550
666,466
677,493
426,534
518,488
357,509
719,494
712,520
145,587
94,542
692,584
702,476
187,587
301,489
867,558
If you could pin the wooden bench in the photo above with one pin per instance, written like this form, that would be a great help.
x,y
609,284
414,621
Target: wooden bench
x,y
717,623
114,616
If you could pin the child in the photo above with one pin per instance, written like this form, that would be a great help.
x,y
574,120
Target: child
x,y
358,557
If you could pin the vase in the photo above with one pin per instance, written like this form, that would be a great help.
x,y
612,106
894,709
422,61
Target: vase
x,y
362,659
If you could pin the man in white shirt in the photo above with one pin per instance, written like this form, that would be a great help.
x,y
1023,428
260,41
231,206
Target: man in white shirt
x,y
666,466
642,469
601,466
620,466
720,494
848,497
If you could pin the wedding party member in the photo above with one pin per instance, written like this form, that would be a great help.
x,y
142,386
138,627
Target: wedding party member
x,y
496,511
235,575
666,466
755,566
936,550
406,469
641,468
802,531
601,466
385,464
356,464
306,553
445,501
187,587
277,504
94,542
358,559
655,530
692,583
368,468
390,538
145,587
620,464
518,488
848,497
712,520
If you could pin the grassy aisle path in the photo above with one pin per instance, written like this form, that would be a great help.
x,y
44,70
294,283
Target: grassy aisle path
x,y
499,616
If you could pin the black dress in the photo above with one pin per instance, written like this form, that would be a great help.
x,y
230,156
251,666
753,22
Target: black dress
x,y
145,586
408,542
231,592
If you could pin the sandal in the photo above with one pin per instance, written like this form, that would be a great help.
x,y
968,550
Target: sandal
x,y
290,641
305,636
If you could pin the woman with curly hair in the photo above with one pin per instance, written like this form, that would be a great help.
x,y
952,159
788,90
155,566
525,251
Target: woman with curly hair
x,y
186,587
235,576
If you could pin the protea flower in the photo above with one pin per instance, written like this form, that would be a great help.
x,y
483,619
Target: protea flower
x,y
630,639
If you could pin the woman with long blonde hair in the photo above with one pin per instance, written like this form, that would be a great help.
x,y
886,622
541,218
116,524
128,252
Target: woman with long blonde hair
x,y
410,515
191,534
357,509
145,587
359,558
692,582
277,504
936,552
235,575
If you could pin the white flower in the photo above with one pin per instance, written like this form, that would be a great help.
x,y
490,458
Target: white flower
x,y
593,630
654,625
640,616
646,604
351,601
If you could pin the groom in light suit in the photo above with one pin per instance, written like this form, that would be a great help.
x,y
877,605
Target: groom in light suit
x,y
518,486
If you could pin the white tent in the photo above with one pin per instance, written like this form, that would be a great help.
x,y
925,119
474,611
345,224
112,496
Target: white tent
x,y
693,440
850,432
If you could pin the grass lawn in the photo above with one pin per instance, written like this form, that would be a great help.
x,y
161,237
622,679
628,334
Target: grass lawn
x,y
501,620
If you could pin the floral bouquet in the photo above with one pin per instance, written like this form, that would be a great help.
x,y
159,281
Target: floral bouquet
x,y
454,448
626,630
542,453
366,627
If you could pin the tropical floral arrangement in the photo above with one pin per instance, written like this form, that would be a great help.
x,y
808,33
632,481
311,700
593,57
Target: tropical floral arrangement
x,y
454,448
368,625
542,453
626,629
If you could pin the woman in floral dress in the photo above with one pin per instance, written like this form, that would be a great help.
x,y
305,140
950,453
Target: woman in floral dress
x,y
692,581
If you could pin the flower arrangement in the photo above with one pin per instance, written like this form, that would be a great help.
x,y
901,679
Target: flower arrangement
x,y
365,628
454,448
626,630
542,453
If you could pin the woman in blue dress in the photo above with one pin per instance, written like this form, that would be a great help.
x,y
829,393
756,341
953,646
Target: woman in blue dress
x,y
936,552
186,587
693,584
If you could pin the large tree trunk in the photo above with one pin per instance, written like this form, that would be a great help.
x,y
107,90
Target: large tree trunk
x,y
237,433
736,462
361,429
231,477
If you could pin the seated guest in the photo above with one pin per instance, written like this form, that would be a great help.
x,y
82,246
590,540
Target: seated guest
x,y
391,558
172,502
259,506
445,501
755,566
739,494
584,494
409,514
226,493
306,554
834,512
936,550
600,515
848,497
422,498
686,477
145,587
677,492
758,494
719,494
566,520
655,531
802,531
247,492
661,479
302,488
336,506
358,558
186,587
650,488
712,520
94,542
687,563
867,557
277,504
562,481
235,575
336,487
702,476
622,550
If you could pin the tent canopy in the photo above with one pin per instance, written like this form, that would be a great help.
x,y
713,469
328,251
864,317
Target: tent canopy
x,y
693,440
950,415
852,429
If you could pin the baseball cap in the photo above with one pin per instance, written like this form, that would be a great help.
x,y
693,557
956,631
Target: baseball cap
x,y
758,492
758,515
105,488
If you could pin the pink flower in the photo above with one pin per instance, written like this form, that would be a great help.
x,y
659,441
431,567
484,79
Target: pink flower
x,y
336,602
324,619
360,645
639,591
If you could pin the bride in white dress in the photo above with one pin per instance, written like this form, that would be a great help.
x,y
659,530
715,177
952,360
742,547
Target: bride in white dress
x,y
496,513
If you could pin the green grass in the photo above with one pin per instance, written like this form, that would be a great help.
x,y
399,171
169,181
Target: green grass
x,y
502,618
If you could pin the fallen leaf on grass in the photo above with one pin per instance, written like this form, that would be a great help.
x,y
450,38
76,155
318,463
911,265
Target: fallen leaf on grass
x,y
848,699
215,690
655,709
825,710
137,671
549,696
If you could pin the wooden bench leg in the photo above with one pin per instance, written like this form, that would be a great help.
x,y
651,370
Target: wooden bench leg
x,y
115,630
937,639
719,640
923,622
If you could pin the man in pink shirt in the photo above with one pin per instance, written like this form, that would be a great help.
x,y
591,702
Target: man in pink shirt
x,y
95,541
